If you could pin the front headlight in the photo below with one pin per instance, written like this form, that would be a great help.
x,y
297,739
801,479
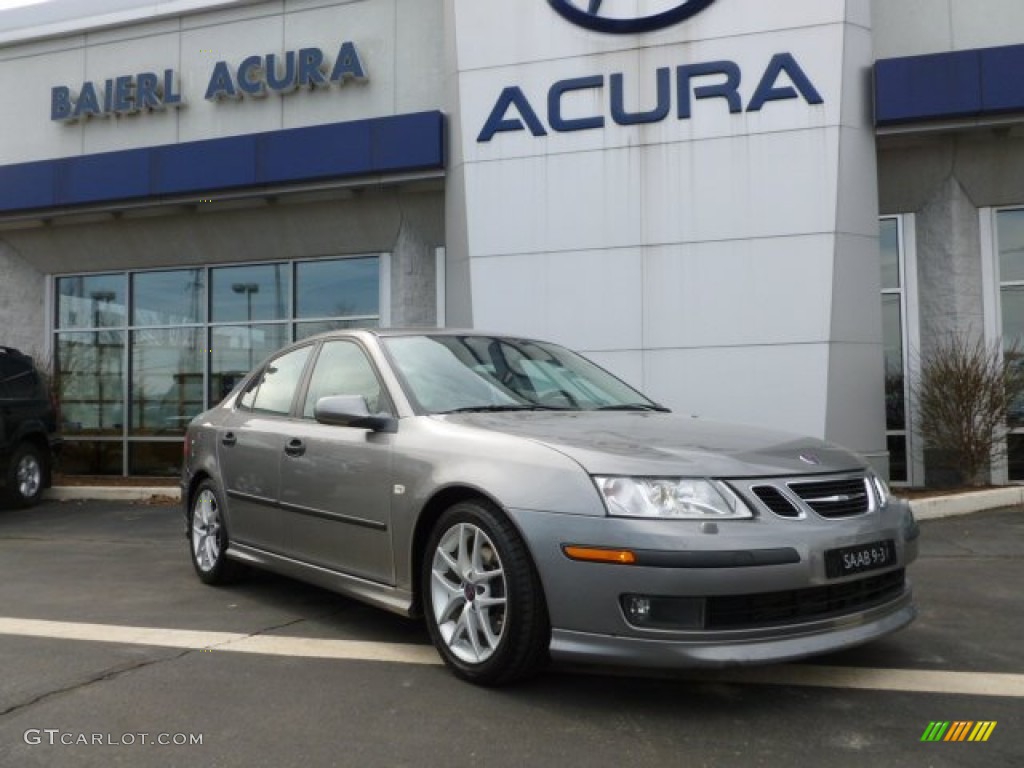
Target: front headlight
x,y
670,498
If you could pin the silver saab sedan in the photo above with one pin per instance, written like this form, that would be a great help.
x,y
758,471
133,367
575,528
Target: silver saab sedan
x,y
530,506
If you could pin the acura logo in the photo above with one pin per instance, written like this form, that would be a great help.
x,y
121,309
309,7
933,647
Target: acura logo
x,y
620,17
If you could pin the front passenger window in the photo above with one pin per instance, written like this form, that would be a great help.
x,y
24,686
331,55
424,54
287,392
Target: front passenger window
x,y
342,369
279,381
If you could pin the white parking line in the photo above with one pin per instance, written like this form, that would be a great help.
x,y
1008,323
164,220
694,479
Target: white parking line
x,y
869,679
904,680
234,642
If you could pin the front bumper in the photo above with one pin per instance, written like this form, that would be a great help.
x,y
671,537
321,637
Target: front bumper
x,y
810,640
760,562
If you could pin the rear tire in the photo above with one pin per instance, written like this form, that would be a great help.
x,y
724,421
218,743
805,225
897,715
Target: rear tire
x,y
26,476
208,537
483,601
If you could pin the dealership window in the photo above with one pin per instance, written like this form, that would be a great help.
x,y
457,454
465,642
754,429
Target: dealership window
x,y
1009,262
139,353
899,336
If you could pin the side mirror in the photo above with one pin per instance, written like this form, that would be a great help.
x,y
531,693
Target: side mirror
x,y
352,411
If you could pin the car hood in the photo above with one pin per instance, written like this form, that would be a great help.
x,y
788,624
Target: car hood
x,y
665,444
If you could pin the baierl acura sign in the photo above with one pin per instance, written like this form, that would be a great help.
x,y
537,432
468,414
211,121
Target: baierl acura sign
x,y
622,17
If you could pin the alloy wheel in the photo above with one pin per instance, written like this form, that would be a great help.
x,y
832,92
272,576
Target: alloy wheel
x,y
206,527
469,593
29,474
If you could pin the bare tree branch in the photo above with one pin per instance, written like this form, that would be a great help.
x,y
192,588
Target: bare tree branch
x,y
966,396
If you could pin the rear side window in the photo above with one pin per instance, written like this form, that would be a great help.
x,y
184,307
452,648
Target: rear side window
x,y
277,383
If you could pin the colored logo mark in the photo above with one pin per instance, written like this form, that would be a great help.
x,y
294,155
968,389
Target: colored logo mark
x,y
608,17
959,730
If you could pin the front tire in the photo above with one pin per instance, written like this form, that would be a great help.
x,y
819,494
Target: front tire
x,y
208,537
483,601
26,476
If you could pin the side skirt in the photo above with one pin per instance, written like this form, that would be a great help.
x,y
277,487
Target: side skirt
x,y
383,596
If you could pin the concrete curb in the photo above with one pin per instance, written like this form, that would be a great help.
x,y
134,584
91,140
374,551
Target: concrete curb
x,y
110,493
966,503
924,509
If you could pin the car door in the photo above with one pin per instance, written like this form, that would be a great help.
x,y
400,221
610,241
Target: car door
x,y
250,446
336,481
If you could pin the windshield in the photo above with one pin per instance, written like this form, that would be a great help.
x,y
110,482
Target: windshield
x,y
448,374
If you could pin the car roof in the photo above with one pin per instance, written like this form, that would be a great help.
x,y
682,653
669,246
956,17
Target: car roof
x,y
385,333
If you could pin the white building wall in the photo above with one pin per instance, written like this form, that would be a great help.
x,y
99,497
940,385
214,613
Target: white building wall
x,y
912,27
726,263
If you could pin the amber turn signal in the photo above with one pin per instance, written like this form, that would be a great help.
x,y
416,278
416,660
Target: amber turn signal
x,y
599,554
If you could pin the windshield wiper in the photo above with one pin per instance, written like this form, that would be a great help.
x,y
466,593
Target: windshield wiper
x,y
634,407
503,408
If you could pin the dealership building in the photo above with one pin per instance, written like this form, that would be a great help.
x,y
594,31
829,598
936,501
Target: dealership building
x,y
764,212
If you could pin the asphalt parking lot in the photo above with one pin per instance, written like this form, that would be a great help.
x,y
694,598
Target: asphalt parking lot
x,y
113,653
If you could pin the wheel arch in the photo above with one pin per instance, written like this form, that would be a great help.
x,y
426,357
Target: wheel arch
x,y
442,500
190,494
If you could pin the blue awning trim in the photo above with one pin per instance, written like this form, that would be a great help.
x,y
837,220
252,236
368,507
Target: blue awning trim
x,y
403,143
946,86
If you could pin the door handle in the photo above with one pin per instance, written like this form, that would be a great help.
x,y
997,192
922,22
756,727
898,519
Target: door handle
x,y
229,439
295,447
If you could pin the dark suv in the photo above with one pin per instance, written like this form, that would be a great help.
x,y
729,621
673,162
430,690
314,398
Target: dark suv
x,y
28,426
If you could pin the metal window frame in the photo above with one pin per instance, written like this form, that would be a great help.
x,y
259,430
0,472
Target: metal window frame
x,y
910,329
206,326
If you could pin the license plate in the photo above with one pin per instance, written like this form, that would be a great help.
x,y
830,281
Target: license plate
x,y
860,558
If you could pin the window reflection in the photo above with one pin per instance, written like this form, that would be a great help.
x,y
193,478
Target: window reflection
x,y
305,330
1010,234
1010,225
892,333
167,379
897,445
1012,301
1015,456
338,288
236,349
889,241
894,341
173,348
94,457
90,382
245,294
91,301
156,459
167,298
342,369
279,381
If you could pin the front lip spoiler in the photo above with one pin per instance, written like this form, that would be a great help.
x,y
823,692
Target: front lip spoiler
x,y
663,653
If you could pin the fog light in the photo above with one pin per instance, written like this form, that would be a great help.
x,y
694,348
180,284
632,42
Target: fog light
x,y
638,609
649,612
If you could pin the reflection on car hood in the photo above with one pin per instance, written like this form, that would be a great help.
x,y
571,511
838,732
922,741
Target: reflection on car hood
x,y
644,443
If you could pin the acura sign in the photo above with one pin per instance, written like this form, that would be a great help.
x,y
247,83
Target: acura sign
x,y
620,17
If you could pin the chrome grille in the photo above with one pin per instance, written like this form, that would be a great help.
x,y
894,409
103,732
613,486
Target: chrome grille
x,y
774,499
835,498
